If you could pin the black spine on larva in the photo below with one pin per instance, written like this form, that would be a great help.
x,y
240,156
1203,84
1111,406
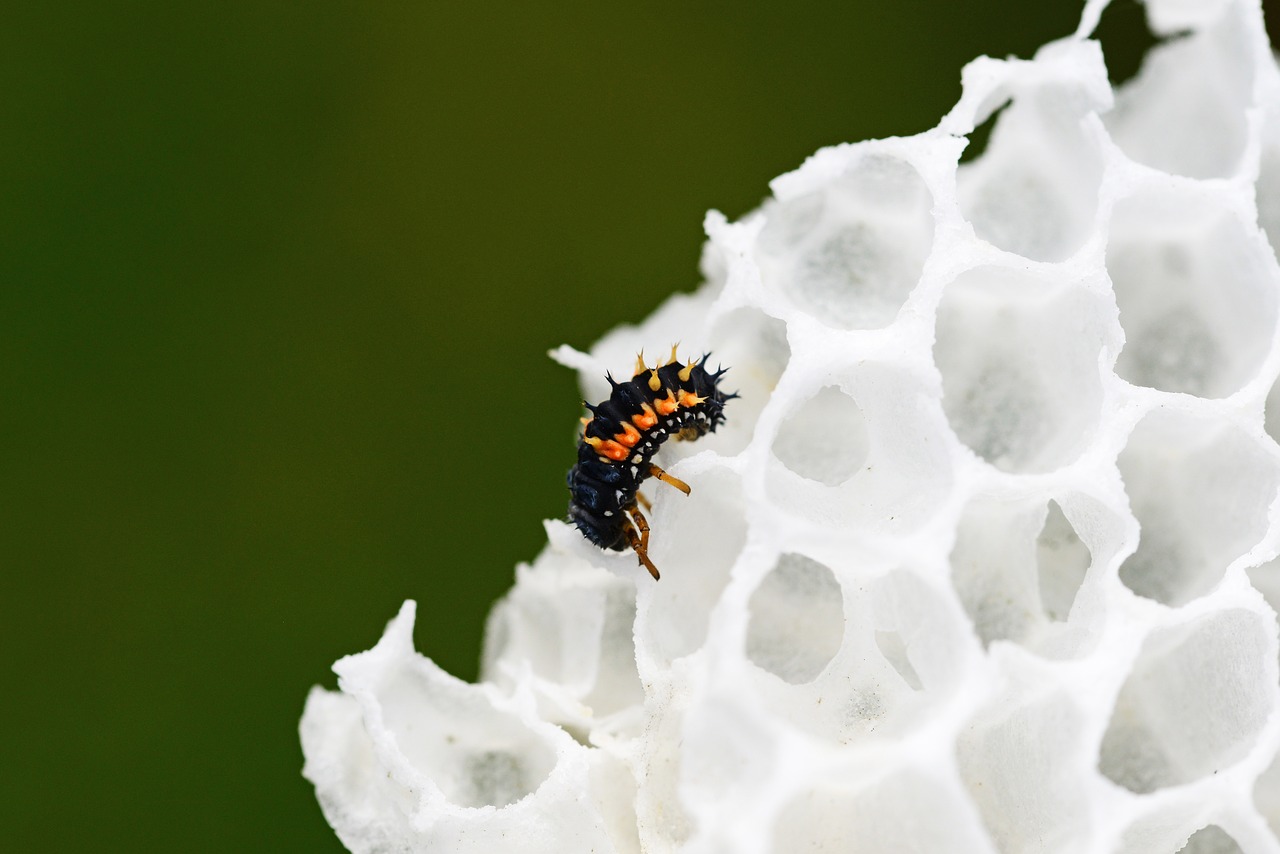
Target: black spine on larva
x,y
601,489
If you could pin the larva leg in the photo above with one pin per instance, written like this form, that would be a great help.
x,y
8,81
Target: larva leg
x,y
641,549
642,524
668,479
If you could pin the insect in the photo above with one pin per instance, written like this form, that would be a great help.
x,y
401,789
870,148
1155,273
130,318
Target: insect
x,y
622,435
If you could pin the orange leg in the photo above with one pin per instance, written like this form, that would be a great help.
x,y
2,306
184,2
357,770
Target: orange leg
x,y
642,525
668,479
640,542
644,502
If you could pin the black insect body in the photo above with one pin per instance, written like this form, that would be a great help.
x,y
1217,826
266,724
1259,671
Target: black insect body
x,y
622,435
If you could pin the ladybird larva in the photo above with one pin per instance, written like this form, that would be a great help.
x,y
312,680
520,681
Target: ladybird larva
x,y
619,439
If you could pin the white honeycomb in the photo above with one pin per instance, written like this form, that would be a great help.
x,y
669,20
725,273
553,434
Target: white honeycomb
x,y
985,557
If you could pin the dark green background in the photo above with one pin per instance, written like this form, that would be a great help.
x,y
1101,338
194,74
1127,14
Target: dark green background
x,y
276,285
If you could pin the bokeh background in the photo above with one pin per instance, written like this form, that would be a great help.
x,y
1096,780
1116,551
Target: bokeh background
x,y
277,282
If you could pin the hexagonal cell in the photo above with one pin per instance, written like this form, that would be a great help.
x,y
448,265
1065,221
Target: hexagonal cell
x,y
901,652
711,527
446,731
908,811
1193,704
470,765
571,626
850,254
864,453
1017,567
1019,361
1201,492
796,619
1021,765
825,439
1185,112
1197,294
1034,191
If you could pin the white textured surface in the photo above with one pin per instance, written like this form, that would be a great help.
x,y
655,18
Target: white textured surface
x,y
984,559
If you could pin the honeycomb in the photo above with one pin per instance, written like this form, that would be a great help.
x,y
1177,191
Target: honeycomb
x,y
985,559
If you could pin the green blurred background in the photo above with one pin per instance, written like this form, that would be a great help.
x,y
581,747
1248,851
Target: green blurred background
x,y
277,282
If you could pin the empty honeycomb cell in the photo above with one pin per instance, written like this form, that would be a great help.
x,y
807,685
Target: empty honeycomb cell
x,y
904,474
1021,763
1211,839
1200,491
851,253
434,731
1185,113
1193,704
1018,355
1034,191
897,655
825,439
796,619
710,529
477,755
571,626
416,760
1196,293
1017,567
916,809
